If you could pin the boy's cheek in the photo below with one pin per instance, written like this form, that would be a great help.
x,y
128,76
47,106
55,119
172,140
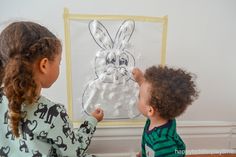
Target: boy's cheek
x,y
141,108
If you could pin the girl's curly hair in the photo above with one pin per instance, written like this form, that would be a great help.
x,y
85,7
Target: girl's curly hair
x,y
25,43
1,77
172,90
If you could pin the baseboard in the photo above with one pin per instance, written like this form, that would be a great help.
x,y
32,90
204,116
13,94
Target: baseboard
x,y
212,152
201,137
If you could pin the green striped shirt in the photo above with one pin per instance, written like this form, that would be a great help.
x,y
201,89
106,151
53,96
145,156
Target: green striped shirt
x,y
162,141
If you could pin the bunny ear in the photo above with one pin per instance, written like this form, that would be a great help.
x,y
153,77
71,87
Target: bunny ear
x,y
100,34
123,35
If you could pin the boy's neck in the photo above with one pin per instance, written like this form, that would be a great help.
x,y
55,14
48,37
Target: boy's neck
x,y
156,121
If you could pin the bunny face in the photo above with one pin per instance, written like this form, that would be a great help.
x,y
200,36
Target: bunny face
x,y
113,61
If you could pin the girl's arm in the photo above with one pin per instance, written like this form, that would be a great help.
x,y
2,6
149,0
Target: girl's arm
x,y
70,141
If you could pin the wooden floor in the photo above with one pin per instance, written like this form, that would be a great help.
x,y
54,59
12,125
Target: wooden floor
x,y
213,155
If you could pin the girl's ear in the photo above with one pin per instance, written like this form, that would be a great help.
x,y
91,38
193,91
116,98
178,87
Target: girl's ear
x,y
43,65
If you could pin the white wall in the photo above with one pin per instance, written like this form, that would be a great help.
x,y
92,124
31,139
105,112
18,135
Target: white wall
x,y
201,39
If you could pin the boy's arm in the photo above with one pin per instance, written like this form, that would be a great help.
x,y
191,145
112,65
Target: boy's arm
x,y
138,76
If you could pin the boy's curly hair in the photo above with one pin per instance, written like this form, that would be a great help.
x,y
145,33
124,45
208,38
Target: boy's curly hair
x,y
172,90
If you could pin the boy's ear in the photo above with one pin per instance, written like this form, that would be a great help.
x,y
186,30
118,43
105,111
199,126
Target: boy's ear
x,y
151,111
43,65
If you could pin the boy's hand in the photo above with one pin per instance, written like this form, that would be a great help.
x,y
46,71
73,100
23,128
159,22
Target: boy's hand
x,y
138,75
139,154
98,114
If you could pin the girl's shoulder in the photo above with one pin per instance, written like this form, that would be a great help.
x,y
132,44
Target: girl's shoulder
x,y
3,104
4,100
43,105
48,102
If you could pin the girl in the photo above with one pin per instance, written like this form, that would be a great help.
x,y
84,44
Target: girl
x,y
31,125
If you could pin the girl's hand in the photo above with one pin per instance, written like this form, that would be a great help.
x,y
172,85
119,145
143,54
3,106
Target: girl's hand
x,y
138,75
98,114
